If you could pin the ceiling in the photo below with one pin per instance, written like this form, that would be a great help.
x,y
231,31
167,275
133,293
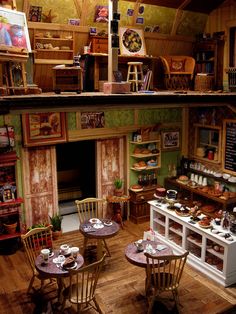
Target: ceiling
x,y
201,6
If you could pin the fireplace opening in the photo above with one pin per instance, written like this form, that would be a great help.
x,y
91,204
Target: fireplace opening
x,y
76,177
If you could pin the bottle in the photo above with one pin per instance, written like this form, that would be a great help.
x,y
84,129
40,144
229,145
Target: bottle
x,y
225,221
174,171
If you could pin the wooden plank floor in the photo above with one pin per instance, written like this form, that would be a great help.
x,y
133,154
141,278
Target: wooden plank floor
x,y
121,285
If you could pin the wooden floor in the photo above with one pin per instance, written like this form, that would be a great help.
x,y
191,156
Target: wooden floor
x,y
120,288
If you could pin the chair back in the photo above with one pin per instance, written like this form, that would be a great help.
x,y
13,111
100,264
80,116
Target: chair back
x,y
83,282
90,208
164,272
34,241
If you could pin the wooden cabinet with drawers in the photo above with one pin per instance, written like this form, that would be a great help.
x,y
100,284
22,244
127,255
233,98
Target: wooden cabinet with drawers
x,y
99,44
139,207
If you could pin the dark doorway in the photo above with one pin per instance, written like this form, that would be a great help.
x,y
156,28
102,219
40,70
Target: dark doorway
x,y
76,170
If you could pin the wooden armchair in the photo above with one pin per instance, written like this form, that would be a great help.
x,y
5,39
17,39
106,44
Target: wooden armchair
x,y
91,208
163,275
82,287
34,241
178,71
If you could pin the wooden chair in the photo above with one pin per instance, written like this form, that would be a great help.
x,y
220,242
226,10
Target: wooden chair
x,y
82,287
91,208
34,241
163,275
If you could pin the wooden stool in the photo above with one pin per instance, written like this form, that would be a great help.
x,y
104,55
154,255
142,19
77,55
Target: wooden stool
x,y
135,75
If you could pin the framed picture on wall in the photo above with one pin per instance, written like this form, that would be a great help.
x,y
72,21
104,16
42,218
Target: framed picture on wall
x,y
44,128
132,41
170,140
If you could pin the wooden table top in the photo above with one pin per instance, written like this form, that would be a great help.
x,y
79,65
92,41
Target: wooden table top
x,y
103,233
118,199
51,269
138,258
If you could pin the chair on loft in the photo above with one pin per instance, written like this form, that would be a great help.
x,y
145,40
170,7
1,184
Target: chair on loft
x,y
91,208
82,287
163,275
34,241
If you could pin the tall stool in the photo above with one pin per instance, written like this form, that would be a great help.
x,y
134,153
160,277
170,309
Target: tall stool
x,y
135,75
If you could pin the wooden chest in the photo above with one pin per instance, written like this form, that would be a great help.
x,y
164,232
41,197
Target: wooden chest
x,y
99,44
139,208
67,79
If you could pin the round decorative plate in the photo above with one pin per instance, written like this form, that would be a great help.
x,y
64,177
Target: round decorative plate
x,y
132,41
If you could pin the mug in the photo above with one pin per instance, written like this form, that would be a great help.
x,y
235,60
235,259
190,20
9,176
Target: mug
x,y
45,254
60,259
74,251
64,249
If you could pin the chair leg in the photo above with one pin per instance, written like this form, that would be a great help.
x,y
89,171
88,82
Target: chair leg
x,y
30,284
107,249
97,306
84,245
151,305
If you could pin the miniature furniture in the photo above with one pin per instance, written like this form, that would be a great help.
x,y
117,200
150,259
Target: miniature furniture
x,y
135,75
163,275
231,71
54,270
34,241
116,202
89,208
82,287
178,71
67,78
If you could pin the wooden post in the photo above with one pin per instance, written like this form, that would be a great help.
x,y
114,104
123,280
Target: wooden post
x,y
112,52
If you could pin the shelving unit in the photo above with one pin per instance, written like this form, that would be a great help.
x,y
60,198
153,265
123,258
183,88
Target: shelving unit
x,y
209,59
10,206
208,137
145,177
181,235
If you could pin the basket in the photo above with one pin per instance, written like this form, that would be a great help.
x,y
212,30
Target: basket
x,y
204,83
10,228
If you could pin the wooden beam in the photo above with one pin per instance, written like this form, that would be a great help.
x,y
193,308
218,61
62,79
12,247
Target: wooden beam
x,y
178,17
83,12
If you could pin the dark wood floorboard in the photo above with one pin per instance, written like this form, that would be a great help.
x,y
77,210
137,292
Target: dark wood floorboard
x,y
120,288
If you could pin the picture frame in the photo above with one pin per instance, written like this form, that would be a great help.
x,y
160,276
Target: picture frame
x,y
170,140
132,41
7,137
92,120
35,13
74,22
44,128
16,35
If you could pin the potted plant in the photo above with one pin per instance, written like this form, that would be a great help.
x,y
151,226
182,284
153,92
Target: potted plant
x,y
118,183
55,221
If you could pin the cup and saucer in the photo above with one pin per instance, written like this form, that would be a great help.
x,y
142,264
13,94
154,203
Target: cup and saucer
x,y
65,249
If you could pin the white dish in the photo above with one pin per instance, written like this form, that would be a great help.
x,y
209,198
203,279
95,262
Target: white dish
x,y
141,168
108,224
59,261
136,190
218,174
95,221
226,176
98,226
71,267
232,179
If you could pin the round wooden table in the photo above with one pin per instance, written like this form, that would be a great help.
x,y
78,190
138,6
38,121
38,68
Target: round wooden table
x,y
138,258
105,232
53,270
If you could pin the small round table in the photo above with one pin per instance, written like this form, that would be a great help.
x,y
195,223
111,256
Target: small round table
x,y
116,201
106,232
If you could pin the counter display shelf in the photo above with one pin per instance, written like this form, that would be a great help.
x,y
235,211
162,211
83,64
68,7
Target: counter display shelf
x,y
195,193
210,253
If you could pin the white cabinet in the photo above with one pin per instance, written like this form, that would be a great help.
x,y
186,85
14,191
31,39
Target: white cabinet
x,y
210,253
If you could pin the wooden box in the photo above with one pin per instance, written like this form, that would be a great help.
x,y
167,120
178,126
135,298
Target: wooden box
x,y
204,83
116,87
67,79
99,44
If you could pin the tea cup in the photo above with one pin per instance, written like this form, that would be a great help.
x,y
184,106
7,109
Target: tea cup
x,y
64,249
74,251
45,255
60,259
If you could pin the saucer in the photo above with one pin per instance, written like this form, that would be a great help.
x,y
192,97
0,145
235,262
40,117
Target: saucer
x,y
94,221
98,226
108,224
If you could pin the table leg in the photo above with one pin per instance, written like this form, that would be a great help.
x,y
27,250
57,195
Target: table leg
x,y
117,217
96,74
99,249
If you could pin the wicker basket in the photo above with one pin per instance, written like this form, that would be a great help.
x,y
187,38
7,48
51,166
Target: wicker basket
x,y
10,228
204,83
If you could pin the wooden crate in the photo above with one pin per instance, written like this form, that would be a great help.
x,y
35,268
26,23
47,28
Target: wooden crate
x,y
204,83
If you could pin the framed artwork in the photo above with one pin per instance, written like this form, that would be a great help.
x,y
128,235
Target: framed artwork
x,y
132,41
101,14
170,140
74,22
14,31
44,128
92,120
35,13
7,137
